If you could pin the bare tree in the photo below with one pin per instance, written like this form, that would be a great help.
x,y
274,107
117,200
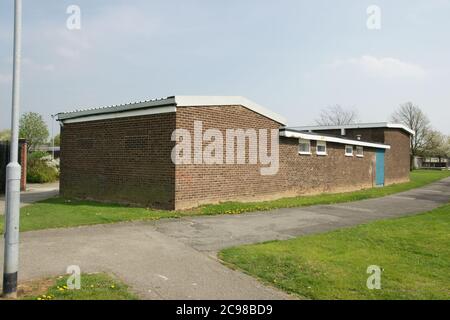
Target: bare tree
x,y
413,117
336,115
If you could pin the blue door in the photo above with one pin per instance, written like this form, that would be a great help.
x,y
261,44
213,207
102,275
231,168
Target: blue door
x,y
379,170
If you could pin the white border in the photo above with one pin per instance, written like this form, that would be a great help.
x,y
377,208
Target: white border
x,y
125,114
307,136
145,107
323,143
359,155
300,141
357,126
349,154
199,101
117,108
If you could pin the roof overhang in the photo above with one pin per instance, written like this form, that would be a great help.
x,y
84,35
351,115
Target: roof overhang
x,y
317,137
358,126
164,105
199,101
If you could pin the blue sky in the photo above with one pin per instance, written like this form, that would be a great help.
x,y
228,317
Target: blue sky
x,y
294,57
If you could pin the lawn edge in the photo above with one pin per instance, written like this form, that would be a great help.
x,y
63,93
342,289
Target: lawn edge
x,y
196,211
235,267
262,281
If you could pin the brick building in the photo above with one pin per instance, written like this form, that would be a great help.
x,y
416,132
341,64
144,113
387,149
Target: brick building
x,y
125,154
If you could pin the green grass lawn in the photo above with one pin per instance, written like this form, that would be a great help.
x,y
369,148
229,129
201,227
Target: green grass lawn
x,y
93,287
61,213
413,252
418,179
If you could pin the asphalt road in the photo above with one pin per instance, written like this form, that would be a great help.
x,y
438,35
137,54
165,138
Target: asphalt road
x,y
176,259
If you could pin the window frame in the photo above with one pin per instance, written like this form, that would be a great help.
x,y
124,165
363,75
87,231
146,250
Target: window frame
x,y
304,141
362,152
324,144
349,154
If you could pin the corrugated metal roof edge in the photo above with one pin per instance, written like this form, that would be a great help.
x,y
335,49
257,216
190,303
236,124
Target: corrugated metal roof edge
x,y
181,101
116,108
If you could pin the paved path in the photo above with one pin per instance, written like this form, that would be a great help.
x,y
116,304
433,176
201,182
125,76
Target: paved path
x,y
34,193
176,259
212,233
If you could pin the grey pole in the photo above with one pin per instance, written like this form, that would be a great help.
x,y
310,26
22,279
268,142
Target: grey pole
x,y
13,170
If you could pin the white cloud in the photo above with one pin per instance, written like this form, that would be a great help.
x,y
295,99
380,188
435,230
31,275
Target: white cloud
x,y
386,67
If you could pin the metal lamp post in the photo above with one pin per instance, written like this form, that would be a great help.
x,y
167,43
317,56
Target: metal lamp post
x,y
13,171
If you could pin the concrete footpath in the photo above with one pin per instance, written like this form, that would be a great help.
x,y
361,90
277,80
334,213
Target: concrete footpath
x,y
34,193
176,259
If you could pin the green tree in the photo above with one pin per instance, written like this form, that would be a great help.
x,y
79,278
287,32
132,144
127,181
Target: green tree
x,y
57,140
33,129
438,145
5,135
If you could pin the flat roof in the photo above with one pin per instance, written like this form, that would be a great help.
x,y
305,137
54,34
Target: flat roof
x,y
292,133
357,126
164,105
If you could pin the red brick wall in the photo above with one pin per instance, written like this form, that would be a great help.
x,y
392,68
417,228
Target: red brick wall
x,y
335,172
23,163
129,160
397,159
198,184
298,174
124,160
370,135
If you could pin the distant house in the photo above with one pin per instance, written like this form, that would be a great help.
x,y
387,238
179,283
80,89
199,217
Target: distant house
x,y
125,154
436,162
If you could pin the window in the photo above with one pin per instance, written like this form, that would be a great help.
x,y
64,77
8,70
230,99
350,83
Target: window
x,y
305,147
321,148
360,152
349,151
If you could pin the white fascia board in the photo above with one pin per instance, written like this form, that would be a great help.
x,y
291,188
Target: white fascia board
x,y
116,109
155,106
358,126
401,126
306,136
199,101
124,114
